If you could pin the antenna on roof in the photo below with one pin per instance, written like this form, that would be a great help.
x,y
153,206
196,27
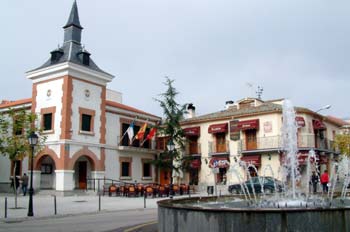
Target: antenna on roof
x,y
259,92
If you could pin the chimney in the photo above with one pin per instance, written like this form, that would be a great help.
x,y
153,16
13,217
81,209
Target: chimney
x,y
191,113
228,104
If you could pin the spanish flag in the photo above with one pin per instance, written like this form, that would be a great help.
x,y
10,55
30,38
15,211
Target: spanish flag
x,y
151,134
141,132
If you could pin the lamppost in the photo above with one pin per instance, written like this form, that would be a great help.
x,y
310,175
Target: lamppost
x,y
326,107
171,147
33,140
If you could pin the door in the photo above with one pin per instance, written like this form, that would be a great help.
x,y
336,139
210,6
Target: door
x,y
193,145
164,177
251,139
82,174
220,142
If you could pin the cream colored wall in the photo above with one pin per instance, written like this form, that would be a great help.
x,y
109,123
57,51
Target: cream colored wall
x,y
55,99
93,102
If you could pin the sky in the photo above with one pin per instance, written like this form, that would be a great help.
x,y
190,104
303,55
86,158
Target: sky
x,y
214,50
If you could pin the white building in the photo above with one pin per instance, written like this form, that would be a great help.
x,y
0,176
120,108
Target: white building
x,y
84,122
250,130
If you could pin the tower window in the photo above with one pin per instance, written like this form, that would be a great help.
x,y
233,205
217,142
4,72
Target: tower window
x,y
48,119
86,121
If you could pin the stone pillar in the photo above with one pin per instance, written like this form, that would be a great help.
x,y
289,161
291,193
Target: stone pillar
x,y
36,179
65,180
99,179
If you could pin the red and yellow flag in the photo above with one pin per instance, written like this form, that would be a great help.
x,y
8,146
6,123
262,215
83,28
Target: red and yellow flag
x,y
141,132
151,134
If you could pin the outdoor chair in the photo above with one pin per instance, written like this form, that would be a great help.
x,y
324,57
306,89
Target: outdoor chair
x,y
131,191
149,191
112,189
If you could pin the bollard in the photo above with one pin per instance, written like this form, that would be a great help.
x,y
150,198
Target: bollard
x,y
5,207
144,200
189,191
99,201
55,204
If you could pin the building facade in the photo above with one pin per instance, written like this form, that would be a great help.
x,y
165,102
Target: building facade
x,y
84,122
250,130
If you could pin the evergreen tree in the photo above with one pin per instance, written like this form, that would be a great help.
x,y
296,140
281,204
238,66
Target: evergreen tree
x,y
173,113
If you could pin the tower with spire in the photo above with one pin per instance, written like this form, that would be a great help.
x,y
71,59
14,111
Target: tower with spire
x,y
69,94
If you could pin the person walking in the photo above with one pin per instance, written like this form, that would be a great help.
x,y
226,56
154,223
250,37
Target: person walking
x,y
314,181
24,184
324,181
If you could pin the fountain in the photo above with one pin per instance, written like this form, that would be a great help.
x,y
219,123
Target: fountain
x,y
292,210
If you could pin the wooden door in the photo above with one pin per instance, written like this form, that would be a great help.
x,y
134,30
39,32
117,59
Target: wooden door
x,y
251,139
193,145
220,142
82,174
164,177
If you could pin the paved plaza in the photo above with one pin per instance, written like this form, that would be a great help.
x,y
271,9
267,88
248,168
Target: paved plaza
x,y
44,205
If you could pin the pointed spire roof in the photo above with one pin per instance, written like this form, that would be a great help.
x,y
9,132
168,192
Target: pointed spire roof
x,y
72,50
73,19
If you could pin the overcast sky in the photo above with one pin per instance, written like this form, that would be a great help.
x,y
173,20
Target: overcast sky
x,y
294,49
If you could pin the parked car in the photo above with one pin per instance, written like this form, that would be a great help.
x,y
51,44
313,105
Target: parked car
x,y
256,182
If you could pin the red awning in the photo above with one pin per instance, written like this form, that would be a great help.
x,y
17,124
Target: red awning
x,y
195,164
252,159
218,128
248,124
318,125
302,159
192,131
300,121
219,162
323,159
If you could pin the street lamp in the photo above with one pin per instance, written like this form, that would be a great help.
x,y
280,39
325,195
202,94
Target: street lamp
x,y
326,107
33,140
171,147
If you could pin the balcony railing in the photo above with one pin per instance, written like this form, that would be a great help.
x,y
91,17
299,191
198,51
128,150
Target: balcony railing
x,y
147,146
193,148
275,143
219,148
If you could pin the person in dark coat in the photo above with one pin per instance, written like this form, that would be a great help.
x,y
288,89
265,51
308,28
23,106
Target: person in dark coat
x,y
24,184
314,181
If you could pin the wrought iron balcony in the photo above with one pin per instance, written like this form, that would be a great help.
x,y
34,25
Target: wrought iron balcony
x,y
272,143
216,148
148,146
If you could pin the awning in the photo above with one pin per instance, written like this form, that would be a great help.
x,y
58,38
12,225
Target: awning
x,y
219,162
300,121
218,128
302,159
195,164
318,125
323,159
192,131
248,124
252,159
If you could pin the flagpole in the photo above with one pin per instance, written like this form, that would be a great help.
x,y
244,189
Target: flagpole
x,y
139,131
121,139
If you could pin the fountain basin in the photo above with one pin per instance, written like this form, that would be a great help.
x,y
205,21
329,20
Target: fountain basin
x,y
187,214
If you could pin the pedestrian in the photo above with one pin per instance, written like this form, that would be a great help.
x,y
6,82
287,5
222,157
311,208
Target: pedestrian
x,y
324,181
24,184
314,181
